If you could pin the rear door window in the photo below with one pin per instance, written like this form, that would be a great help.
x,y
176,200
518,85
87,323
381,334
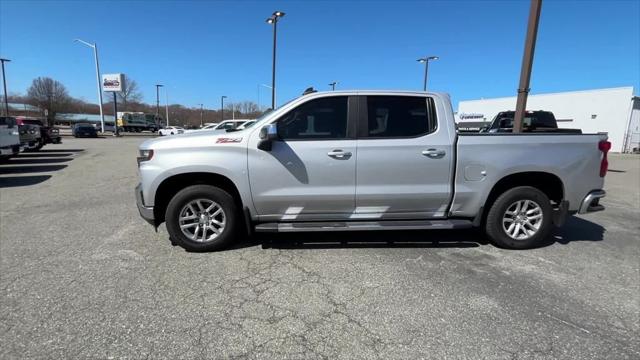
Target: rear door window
x,y
399,116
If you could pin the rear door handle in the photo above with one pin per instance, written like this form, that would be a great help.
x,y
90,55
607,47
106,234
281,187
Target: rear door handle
x,y
433,153
339,154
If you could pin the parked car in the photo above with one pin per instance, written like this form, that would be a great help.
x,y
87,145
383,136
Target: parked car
x,y
9,138
230,124
48,134
30,137
367,160
84,130
223,126
171,130
534,121
246,125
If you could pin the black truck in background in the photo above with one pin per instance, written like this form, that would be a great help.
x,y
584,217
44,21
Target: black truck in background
x,y
534,121
48,134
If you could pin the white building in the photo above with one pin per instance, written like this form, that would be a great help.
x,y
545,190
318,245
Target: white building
x,y
614,110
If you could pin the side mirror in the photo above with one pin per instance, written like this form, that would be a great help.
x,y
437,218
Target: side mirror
x,y
268,134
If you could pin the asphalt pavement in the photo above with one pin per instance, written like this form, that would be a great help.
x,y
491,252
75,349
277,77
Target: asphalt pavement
x,y
83,276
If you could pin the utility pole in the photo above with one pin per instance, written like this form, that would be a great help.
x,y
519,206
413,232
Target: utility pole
x,y
273,20
527,64
158,86
201,116
4,84
166,107
222,107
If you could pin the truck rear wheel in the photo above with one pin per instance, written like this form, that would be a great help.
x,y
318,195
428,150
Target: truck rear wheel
x,y
202,218
520,218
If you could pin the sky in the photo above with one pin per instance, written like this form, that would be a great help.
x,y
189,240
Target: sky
x,y
201,50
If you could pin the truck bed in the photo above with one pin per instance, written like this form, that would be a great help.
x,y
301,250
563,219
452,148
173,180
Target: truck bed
x,y
484,159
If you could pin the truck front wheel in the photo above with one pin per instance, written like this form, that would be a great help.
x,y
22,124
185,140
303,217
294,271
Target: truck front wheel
x,y
520,218
202,218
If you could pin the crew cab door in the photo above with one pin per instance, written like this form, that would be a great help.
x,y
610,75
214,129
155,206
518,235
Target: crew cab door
x,y
404,158
309,173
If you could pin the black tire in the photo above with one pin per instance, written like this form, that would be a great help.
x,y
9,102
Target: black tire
x,y
183,197
495,230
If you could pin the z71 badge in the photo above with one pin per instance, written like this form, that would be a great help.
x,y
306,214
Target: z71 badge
x,y
228,140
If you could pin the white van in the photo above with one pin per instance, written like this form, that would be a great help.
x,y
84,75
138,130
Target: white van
x,y
9,138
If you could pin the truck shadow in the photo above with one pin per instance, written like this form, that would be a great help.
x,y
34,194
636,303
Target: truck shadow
x,y
30,169
33,160
13,181
43,161
575,229
57,151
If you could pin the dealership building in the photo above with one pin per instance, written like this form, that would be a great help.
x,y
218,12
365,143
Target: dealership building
x,y
615,111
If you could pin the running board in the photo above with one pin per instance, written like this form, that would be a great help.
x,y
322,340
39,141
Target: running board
x,y
364,225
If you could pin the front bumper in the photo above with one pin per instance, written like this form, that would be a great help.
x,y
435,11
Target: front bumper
x,y
591,202
145,211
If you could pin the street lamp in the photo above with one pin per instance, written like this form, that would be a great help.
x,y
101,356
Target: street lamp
x,y
273,20
158,86
222,107
4,83
425,60
95,55
333,85
201,117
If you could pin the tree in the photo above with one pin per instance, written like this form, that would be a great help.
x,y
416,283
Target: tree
x,y
49,95
130,94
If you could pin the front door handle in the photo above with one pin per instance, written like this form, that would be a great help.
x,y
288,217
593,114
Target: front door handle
x,y
433,153
339,154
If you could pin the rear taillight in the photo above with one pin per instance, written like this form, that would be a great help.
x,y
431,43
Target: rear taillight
x,y
604,146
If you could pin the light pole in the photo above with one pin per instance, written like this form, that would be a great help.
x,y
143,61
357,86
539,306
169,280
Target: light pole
x,y
222,107
273,20
95,55
333,85
201,117
4,83
158,86
425,60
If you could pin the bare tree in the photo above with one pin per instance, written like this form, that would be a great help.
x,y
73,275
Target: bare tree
x,y
130,94
49,95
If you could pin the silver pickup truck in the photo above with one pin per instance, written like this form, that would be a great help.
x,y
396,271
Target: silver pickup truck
x,y
367,160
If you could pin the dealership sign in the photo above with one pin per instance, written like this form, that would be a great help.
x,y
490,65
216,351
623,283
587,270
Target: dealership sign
x,y
112,82
469,116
